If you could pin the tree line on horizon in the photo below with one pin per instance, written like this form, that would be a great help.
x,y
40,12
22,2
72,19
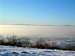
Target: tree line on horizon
x,y
40,43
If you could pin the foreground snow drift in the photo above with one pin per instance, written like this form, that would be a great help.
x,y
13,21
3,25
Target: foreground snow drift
x,y
17,51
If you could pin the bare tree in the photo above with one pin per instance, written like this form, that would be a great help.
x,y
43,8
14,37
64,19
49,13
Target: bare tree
x,y
12,40
25,42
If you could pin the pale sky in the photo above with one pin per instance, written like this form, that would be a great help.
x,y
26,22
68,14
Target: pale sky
x,y
46,12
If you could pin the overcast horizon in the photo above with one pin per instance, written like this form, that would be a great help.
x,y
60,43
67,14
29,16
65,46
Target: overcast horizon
x,y
38,31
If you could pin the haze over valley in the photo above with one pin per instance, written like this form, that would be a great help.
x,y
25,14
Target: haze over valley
x,y
38,31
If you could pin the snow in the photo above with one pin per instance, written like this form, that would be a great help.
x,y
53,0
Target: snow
x,y
18,51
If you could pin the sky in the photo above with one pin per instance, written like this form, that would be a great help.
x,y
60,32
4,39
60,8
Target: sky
x,y
41,12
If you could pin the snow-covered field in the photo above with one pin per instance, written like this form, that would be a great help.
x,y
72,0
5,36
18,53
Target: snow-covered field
x,y
17,51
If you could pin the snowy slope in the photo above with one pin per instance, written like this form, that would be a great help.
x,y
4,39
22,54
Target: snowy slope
x,y
17,51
